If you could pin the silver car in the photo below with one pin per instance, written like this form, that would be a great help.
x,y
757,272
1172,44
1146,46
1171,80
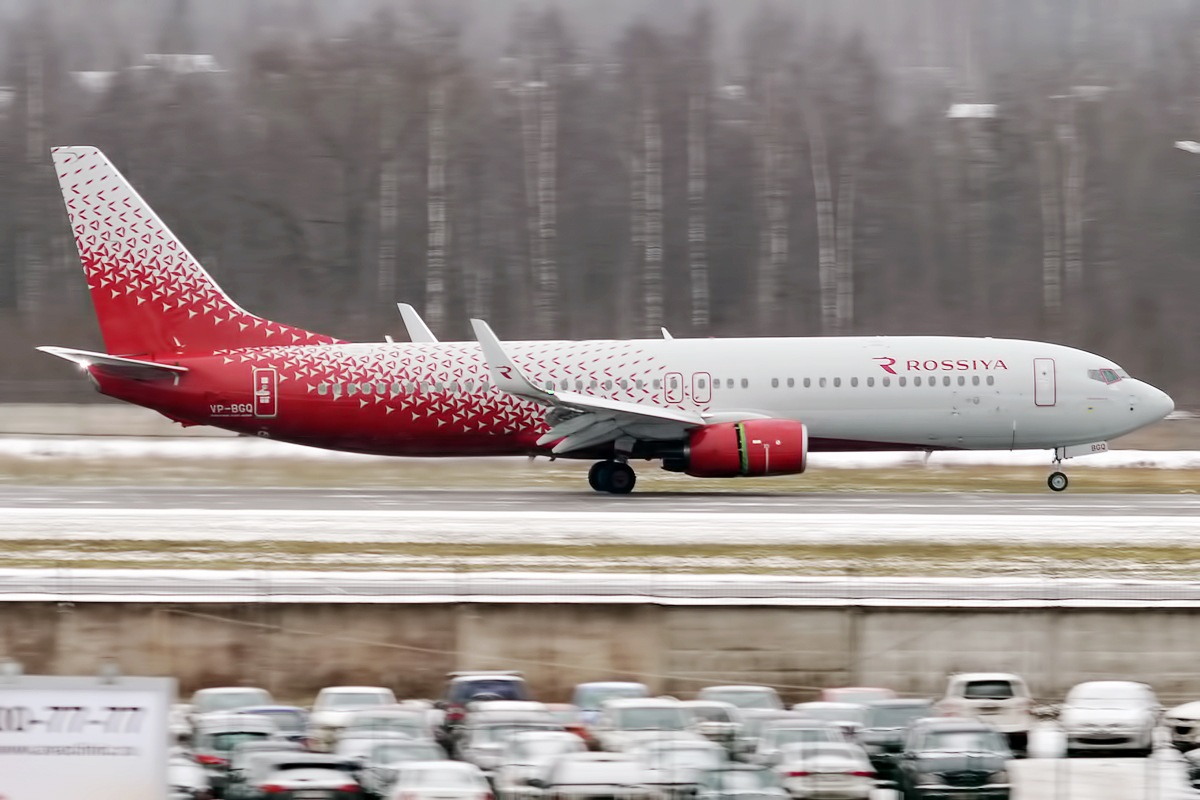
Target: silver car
x,y
1110,715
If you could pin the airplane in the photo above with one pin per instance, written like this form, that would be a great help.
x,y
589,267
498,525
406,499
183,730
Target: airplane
x,y
176,343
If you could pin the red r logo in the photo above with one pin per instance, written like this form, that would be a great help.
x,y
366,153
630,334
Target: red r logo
x,y
888,365
507,373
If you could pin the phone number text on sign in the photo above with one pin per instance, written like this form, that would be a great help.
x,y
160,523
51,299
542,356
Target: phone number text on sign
x,y
72,719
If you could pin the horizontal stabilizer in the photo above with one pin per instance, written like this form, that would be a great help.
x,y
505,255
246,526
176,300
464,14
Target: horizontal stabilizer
x,y
125,367
418,331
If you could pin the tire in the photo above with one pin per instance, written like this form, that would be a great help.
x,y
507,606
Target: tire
x,y
620,478
1057,481
596,475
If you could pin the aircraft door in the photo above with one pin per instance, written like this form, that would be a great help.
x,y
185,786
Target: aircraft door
x,y
1045,387
266,392
701,387
674,387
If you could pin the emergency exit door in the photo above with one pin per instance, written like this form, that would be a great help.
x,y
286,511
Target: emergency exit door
x,y
1045,389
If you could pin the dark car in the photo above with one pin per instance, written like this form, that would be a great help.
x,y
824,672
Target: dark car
x,y
954,758
466,687
885,725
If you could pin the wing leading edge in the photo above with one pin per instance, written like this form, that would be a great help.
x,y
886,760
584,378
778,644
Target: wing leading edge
x,y
578,420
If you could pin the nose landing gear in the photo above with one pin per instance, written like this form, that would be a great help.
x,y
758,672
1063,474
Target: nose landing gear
x,y
614,477
1057,481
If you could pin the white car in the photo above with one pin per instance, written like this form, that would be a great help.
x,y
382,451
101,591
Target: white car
x,y
226,698
528,755
1000,699
828,770
1183,723
386,758
743,696
1110,715
440,780
628,724
780,733
674,766
335,706
714,720
585,776
847,716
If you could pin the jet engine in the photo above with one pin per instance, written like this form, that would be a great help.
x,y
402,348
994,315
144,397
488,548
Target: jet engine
x,y
750,448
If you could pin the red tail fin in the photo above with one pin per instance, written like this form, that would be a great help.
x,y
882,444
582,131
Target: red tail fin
x,y
151,296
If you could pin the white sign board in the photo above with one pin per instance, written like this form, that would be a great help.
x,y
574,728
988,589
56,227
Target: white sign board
x,y
81,737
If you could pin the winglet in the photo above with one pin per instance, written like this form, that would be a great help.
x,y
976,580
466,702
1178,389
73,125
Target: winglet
x,y
418,331
666,333
506,375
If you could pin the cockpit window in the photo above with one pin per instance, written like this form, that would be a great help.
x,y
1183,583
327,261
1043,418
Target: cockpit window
x,y
1107,375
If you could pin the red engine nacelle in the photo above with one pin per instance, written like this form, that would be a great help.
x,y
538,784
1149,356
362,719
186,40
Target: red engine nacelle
x,y
753,447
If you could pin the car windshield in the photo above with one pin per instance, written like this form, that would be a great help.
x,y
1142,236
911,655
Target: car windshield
x,y
895,716
409,724
224,742
651,719
287,721
745,698
692,758
962,742
496,688
391,753
441,777
709,713
228,701
538,749
340,766
745,780
591,698
778,737
352,700
988,690
1098,702
833,713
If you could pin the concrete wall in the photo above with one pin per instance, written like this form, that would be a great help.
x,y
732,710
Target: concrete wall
x,y
295,649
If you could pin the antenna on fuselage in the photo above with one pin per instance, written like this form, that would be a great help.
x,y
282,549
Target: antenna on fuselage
x,y
418,331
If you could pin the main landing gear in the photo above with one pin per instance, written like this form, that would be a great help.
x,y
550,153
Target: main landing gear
x,y
614,477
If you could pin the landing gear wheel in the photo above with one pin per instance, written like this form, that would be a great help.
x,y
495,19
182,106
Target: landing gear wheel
x,y
620,478
1057,481
598,475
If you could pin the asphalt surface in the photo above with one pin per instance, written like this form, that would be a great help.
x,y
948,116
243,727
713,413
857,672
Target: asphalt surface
x,y
1066,504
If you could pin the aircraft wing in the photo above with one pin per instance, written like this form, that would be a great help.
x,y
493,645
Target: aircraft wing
x,y
117,365
581,420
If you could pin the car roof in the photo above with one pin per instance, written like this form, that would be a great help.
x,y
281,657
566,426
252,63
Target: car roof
x,y
487,706
231,690
739,687
797,721
456,677
461,766
268,709
1109,686
837,706
357,690
953,724
234,721
682,744
707,704
613,684
987,676
899,702
642,702
597,756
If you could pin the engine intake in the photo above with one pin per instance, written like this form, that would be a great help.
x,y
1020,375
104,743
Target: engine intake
x,y
754,447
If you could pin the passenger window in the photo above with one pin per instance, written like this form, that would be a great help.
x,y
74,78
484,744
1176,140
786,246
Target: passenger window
x,y
323,389
469,386
437,387
870,382
821,383
962,381
657,384
593,384
807,383
774,383
916,381
791,383
700,383
639,384
945,380
578,385
974,380
608,385
674,383
991,380
837,382
745,383
902,380
337,390
887,381
397,388
624,384
854,381
933,382
564,384
729,383
351,389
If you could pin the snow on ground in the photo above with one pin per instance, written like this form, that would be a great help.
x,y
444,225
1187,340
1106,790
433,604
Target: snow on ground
x,y
104,447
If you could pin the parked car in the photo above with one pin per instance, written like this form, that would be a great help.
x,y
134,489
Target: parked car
x,y
793,731
464,687
302,776
673,766
385,759
826,770
570,717
885,725
625,725
227,698
527,755
440,780
743,696
249,764
732,781
716,721
482,739
186,779
860,695
1191,760
217,734
847,716
1183,723
291,721
583,776
1110,715
411,721
589,698
951,757
998,698
754,721
335,706
357,744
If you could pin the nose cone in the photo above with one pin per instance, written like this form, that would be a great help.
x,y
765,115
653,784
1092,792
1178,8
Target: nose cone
x,y
1157,403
